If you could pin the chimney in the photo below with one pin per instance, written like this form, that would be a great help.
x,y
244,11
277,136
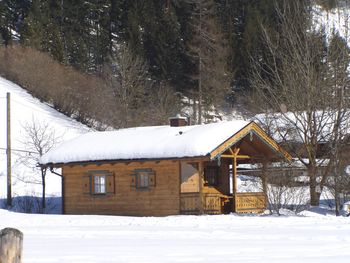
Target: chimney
x,y
178,121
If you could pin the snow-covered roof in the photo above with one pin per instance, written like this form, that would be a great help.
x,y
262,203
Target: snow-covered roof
x,y
145,143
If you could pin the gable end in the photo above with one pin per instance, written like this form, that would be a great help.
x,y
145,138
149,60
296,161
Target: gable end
x,y
250,128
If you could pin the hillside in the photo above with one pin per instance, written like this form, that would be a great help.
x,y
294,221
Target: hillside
x,y
26,109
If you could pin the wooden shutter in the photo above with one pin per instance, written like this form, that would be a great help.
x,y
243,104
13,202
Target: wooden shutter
x,y
110,183
152,178
136,176
87,184
133,180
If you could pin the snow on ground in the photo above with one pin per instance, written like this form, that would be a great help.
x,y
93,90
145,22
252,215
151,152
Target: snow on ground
x,y
223,238
25,109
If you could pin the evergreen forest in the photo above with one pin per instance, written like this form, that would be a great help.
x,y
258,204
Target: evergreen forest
x,y
122,63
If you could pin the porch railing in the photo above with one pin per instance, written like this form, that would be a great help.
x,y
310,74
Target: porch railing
x,y
250,202
214,203
191,203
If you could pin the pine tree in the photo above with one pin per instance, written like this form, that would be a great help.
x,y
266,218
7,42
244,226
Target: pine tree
x,y
12,14
33,32
98,33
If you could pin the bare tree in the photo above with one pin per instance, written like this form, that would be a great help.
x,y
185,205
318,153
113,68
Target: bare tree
x,y
129,80
284,191
165,102
296,84
210,52
39,139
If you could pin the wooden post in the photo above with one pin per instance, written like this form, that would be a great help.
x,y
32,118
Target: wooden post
x,y
11,245
63,194
8,153
234,178
200,178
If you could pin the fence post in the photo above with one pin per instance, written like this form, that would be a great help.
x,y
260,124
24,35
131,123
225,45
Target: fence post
x,y
11,245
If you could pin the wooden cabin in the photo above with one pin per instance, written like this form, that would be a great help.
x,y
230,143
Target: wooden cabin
x,y
162,170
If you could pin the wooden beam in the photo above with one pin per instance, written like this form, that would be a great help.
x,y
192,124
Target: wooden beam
x,y
237,156
231,151
240,156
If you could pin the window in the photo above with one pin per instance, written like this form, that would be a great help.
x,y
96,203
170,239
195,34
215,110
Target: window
x,y
143,179
99,184
211,175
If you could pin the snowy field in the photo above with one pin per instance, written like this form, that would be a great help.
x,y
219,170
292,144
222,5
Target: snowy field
x,y
313,237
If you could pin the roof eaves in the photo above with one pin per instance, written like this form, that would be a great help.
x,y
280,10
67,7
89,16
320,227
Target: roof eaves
x,y
59,165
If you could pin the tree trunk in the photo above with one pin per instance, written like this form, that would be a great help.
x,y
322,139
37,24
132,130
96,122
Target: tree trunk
x,y
314,195
43,200
11,245
264,178
194,107
337,203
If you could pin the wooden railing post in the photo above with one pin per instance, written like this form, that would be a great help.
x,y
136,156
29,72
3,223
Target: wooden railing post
x,y
11,245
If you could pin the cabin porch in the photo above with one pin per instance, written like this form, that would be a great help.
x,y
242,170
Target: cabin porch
x,y
209,187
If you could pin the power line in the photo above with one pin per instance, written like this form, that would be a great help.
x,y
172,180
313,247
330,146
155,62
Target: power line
x,y
30,107
18,150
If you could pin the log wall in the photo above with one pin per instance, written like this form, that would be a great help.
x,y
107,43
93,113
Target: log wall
x,y
189,178
159,200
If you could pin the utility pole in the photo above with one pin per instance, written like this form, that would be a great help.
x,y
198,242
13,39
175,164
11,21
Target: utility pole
x,y
8,152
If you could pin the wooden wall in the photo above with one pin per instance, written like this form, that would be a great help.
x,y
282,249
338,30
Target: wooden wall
x,y
189,177
161,200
